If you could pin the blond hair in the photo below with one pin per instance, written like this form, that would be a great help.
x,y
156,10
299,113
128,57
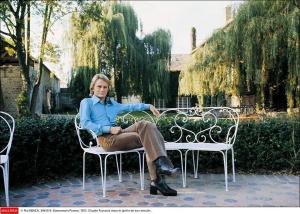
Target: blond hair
x,y
95,78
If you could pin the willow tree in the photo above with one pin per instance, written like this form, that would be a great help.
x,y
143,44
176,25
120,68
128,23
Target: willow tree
x,y
103,40
257,53
155,79
103,37
85,33
123,43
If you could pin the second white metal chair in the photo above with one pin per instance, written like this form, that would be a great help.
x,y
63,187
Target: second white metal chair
x,y
9,122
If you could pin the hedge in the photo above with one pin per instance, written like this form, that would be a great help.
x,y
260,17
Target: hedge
x,y
48,148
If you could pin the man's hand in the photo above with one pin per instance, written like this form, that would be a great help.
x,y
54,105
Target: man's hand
x,y
154,111
115,130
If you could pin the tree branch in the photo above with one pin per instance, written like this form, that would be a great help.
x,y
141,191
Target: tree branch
x,y
5,33
4,17
49,20
18,8
13,37
10,7
8,19
9,45
23,10
58,18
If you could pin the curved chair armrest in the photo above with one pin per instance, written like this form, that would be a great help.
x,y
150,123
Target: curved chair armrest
x,y
92,133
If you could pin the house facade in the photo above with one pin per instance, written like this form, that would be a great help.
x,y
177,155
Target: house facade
x,y
11,84
177,65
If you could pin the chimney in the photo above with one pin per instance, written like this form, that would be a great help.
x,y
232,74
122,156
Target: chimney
x,y
193,38
228,13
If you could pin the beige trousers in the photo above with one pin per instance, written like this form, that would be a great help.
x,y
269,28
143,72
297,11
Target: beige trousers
x,y
141,134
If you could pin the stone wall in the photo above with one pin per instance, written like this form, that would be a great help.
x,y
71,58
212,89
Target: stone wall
x,y
11,86
48,82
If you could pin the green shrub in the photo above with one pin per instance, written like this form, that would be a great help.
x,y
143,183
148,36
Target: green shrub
x,y
22,104
49,148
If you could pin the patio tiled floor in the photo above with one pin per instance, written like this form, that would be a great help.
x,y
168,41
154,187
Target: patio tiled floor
x,y
206,191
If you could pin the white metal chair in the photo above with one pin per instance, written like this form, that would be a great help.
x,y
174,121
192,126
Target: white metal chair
x,y
204,140
98,150
9,121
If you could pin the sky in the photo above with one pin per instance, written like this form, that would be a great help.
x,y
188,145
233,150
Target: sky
x,y
179,17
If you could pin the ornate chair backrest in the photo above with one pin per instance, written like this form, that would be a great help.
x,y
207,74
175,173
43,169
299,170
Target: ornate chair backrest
x,y
9,123
207,120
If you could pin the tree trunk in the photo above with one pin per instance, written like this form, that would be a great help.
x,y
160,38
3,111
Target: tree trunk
x,y
36,88
118,86
117,74
20,46
28,36
21,51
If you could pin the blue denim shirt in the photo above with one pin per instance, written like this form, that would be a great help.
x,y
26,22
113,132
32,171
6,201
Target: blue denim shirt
x,y
100,117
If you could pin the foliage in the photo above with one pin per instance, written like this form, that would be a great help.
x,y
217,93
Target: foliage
x,y
12,14
22,104
257,53
103,37
15,17
49,148
52,53
155,80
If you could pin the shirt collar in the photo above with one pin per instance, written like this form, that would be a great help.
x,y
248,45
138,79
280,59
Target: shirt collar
x,y
96,99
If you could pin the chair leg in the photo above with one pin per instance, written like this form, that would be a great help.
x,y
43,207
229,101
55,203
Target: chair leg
x,y
233,169
101,171
101,168
182,172
118,169
83,171
225,168
143,170
194,168
197,164
7,171
120,176
140,166
5,183
185,166
104,177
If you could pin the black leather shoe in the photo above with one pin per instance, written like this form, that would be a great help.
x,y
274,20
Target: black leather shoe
x,y
170,190
164,166
160,185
